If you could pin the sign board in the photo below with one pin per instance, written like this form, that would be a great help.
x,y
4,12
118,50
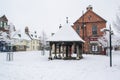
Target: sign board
x,y
93,39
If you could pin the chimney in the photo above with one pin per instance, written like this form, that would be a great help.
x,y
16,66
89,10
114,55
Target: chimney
x,y
52,34
67,20
89,8
26,30
60,26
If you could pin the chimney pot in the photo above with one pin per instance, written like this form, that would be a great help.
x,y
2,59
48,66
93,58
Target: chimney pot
x,y
89,8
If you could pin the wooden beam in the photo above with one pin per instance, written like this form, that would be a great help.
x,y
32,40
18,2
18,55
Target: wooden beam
x,y
55,51
50,54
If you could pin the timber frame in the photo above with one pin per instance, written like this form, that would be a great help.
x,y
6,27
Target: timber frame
x,y
65,49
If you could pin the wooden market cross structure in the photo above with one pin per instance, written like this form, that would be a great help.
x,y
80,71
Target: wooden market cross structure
x,y
65,42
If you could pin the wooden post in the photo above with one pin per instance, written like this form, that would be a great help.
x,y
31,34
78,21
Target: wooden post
x,y
55,52
63,51
77,52
67,51
80,51
73,48
50,54
70,50
59,51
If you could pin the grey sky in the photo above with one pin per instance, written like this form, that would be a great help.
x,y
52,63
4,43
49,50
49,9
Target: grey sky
x,y
48,14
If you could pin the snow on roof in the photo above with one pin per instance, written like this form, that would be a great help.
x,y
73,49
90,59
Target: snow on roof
x,y
14,34
22,36
66,33
3,36
25,36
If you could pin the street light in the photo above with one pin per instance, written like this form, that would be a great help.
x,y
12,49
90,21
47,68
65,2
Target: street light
x,y
110,33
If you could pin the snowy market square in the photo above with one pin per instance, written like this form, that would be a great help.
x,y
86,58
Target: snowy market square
x,y
59,40
36,66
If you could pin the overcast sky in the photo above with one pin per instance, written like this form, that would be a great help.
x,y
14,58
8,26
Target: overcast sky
x,y
47,15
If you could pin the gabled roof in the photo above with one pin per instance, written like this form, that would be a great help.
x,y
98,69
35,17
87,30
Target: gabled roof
x,y
89,14
25,36
65,34
3,18
20,35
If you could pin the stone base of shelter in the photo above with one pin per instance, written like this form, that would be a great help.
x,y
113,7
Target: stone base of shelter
x,y
66,58
71,58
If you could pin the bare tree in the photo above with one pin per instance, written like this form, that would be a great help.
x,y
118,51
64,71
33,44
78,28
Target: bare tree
x,y
117,22
103,40
116,25
43,41
11,35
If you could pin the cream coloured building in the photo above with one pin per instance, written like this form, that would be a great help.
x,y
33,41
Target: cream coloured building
x,y
21,41
27,41
34,44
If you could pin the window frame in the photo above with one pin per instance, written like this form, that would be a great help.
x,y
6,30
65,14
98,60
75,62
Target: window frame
x,y
94,30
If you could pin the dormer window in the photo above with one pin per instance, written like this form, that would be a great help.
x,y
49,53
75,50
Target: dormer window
x,y
32,35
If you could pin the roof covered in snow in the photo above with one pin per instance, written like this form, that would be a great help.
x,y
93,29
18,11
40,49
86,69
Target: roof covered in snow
x,y
3,36
66,33
20,35
24,36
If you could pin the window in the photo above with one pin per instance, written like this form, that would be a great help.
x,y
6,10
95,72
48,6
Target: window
x,y
5,24
35,36
31,35
94,48
1,24
33,47
94,30
33,42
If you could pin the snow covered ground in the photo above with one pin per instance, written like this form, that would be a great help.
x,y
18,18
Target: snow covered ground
x,y
34,66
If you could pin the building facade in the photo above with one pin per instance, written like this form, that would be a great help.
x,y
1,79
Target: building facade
x,y
89,26
24,41
28,41
34,43
4,32
4,24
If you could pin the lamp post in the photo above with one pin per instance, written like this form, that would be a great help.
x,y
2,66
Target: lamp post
x,y
110,42
110,33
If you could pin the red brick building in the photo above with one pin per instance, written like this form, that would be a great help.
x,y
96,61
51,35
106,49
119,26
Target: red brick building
x,y
89,26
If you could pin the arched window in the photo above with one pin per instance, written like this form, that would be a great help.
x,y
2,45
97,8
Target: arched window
x,y
94,30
